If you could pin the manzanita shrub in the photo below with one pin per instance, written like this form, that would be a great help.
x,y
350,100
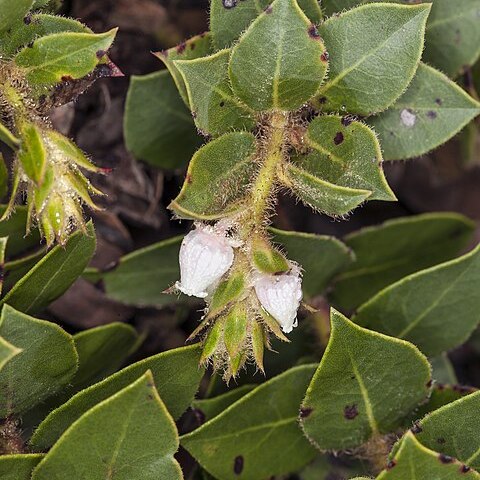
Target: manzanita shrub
x,y
279,98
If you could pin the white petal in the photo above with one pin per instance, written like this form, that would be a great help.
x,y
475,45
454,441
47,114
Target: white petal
x,y
280,296
205,256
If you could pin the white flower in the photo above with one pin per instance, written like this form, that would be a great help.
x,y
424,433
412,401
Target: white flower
x,y
206,254
280,296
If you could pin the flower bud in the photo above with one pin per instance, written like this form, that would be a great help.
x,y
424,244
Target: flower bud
x,y
280,296
206,255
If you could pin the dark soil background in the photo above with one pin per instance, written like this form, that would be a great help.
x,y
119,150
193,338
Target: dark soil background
x,y
136,214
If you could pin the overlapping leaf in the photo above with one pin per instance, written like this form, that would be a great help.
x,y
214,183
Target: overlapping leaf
x,y
46,363
429,113
320,256
218,178
453,430
437,309
158,127
349,400
246,439
266,71
215,108
195,47
176,374
54,274
370,67
414,461
116,446
399,247
18,467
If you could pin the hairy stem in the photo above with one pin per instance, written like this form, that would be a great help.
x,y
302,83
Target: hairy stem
x,y
272,155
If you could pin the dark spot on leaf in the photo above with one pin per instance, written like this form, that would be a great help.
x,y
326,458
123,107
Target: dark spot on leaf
x,y
429,383
445,458
181,48
322,100
101,53
325,56
441,440
432,115
150,396
188,178
464,469
194,114
347,120
222,103
67,78
352,377
305,412
350,411
30,45
229,3
193,45
238,465
416,428
268,10
313,32
339,138
391,464
438,101
27,20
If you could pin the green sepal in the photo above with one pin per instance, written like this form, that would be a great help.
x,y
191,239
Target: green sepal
x,y
212,340
235,332
267,259
227,292
32,154
258,344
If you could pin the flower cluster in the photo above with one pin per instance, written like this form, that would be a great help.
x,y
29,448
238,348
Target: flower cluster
x,y
209,258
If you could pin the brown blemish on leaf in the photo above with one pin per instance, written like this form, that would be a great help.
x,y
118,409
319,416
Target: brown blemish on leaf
x,y
441,440
339,138
432,115
181,48
347,120
313,32
350,411
229,3
238,465
305,412
464,469
101,53
416,428
325,56
391,464
445,458
268,9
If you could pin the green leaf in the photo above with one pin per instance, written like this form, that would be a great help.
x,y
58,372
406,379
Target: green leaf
x,y
365,384
430,112
14,228
370,67
70,55
7,352
230,18
320,256
224,165
327,467
346,153
443,371
130,435
266,72
158,127
46,363
195,47
322,196
8,138
390,251
12,12
37,26
262,421
414,461
215,108
176,374
54,274
211,407
453,35
453,430
32,154
141,276
101,351
419,308
18,467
